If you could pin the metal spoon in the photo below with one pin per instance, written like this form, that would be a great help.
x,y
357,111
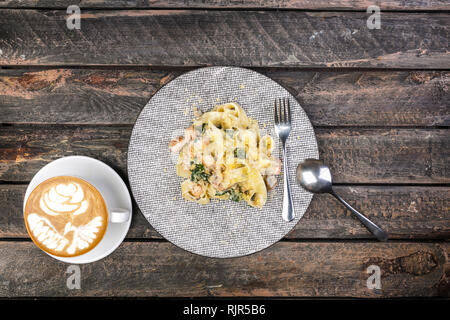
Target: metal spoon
x,y
315,176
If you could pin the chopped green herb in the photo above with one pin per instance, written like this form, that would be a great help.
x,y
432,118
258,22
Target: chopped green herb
x,y
239,153
221,193
201,129
234,196
198,173
229,133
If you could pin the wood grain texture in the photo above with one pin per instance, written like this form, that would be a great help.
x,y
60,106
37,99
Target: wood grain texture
x,y
247,4
354,155
404,212
197,37
48,113
84,96
284,269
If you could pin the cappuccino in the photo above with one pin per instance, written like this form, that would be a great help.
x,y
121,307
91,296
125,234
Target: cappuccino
x,y
66,216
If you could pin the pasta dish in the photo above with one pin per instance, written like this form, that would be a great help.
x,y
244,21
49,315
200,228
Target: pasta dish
x,y
222,156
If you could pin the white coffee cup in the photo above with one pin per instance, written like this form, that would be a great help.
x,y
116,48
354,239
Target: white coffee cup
x,y
118,215
110,186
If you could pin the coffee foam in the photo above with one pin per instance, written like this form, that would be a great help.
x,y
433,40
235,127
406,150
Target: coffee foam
x,y
66,216
63,198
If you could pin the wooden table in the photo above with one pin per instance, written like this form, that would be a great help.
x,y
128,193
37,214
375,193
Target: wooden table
x,y
378,99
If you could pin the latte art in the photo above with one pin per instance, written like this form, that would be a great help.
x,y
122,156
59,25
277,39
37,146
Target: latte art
x,y
64,198
46,233
66,216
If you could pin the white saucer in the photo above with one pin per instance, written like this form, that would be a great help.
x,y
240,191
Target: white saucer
x,y
110,185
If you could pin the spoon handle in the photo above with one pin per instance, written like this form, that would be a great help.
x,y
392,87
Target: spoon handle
x,y
379,233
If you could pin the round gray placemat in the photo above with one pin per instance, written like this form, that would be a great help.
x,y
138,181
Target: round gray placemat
x,y
221,228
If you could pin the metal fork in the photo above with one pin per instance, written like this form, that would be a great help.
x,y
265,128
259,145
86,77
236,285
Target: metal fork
x,y
282,114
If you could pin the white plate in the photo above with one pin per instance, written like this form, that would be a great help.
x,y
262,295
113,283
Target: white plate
x,y
110,185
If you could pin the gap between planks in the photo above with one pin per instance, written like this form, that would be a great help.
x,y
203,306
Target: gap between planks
x,y
229,8
306,240
174,68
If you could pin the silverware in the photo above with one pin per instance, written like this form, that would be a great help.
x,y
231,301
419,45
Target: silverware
x,y
282,114
315,177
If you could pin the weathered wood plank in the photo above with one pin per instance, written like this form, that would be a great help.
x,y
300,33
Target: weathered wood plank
x,y
371,98
77,96
404,212
218,4
354,155
416,98
386,156
284,269
197,37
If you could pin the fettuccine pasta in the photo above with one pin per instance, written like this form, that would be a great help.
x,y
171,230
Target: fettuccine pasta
x,y
222,156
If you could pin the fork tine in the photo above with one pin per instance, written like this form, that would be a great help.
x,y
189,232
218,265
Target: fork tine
x,y
280,119
280,110
285,119
288,111
275,113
